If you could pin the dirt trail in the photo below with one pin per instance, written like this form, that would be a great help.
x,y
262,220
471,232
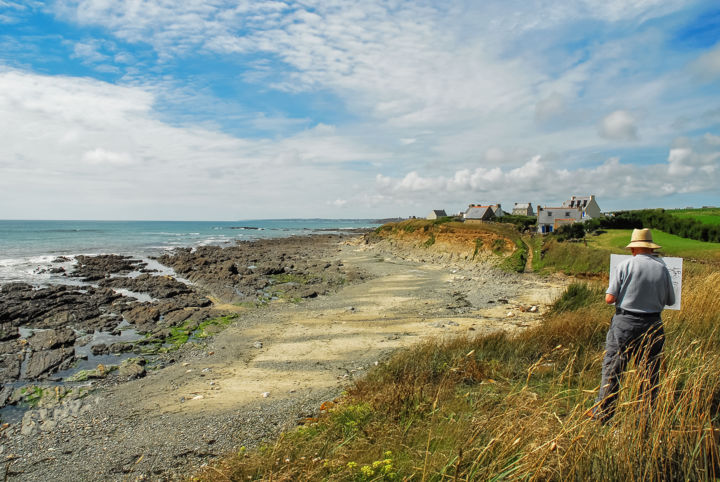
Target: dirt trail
x,y
277,364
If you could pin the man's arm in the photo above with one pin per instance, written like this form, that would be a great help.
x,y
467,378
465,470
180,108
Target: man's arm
x,y
670,290
610,299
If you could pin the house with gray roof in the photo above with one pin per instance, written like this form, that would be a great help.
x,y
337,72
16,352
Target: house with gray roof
x,y
483,212
523,209
436,213
479,213
576,209
587,204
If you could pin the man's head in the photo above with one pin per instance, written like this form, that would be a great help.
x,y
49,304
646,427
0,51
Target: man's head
x,y
641,242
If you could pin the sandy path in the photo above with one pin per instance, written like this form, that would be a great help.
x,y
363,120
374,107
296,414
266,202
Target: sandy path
x,y
310,351
316,345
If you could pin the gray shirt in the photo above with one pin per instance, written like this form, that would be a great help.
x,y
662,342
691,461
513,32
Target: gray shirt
x,y
642,284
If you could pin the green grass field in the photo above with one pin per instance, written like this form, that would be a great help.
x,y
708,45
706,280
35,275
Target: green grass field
x,y
705,216
616,240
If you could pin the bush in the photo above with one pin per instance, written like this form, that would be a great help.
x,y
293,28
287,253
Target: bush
x,y
522,223
570,231
662,220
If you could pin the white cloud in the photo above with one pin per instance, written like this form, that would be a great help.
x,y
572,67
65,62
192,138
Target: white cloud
x,y
87,149
550,107
475,89
89,51
545,183
619,125
101,156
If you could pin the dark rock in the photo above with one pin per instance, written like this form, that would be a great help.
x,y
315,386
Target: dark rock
x,y
42,363
5,393
93,268
142,315
120,348
46,339
8,331
10,366
99,349
52,307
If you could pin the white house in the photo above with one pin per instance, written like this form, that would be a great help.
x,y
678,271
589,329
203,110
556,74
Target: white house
x,y
575,209
587,204
436,213
523,209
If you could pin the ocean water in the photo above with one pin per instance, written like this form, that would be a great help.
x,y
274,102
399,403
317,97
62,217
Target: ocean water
x,y
27,248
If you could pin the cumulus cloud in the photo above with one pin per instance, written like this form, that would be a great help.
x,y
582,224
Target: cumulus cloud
x,y
545,183
619,125
476,89
89,149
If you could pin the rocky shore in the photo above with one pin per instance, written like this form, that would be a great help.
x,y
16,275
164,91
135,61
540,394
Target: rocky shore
x,y
128,375
46,331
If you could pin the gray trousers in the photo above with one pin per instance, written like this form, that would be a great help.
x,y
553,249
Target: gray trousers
x,y
629,336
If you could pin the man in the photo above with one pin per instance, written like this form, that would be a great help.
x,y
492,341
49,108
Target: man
x,y
640,287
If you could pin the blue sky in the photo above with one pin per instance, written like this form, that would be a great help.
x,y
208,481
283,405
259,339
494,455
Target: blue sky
x,y
158,109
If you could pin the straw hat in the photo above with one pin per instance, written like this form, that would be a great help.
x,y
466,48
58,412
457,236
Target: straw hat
x,y
642,238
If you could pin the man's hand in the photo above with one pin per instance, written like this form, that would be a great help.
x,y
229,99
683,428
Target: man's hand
x,y
610,299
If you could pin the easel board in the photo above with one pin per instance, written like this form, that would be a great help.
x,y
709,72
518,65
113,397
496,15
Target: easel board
x,y
674,265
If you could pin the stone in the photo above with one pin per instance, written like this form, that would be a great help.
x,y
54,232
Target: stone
x,y
120,347
29,426
8,331
99,349
10,367
131,371
5,394
257,344
44,362
46,339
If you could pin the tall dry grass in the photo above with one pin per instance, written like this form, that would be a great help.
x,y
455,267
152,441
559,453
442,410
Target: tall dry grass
x,y
513,407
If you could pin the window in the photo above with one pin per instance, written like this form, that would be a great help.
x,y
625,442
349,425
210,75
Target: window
x,y
567,214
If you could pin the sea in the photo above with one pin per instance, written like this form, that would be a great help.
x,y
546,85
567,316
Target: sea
x,y
28,248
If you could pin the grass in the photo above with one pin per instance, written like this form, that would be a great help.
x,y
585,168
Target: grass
x,y
705,216
570,258
179,335
516,261
615,241
289,278
503,406
500,406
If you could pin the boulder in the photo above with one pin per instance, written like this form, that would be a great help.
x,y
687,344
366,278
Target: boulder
x,y
46,339
99,349
8,331
10,367
132,369
42,363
